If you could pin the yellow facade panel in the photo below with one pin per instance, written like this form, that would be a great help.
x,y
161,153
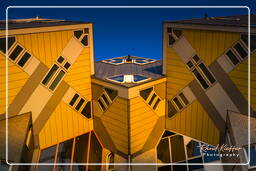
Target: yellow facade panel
x,y
16,80
239,76
198,124
210,44
63,124
79,76
178,76
45,46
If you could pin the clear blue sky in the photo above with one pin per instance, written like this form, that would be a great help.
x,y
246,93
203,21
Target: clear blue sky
x,y
119,32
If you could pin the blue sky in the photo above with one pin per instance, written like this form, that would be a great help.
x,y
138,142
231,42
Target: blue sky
x,y
123,31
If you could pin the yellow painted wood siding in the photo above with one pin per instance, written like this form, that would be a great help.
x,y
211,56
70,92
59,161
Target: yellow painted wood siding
x,y
194,122
16,80
79,76
240,78
142,121
115,122
210,44
63,124
45,46
178,76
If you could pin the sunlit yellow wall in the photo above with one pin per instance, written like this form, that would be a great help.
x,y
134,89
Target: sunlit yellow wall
x,y
239,76
115,120
210,44
79,76
194,122
142,121
16,80
63,124
45,46
178,76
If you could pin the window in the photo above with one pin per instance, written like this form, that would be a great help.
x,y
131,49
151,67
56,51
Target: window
x,y
200,78
16,52
78,33
175,148
50,74
60,59
232,57
201,72
95,153
145,93
73,100
171,109
240,50
82,36
28,139
56,73
81,154
128,78
107,98
80,103
206,73
87,110
173,35
57,80
252,163
24,59
152,99
183,98
11,41
84,41
129,59
177,103
47,156
244,38
156,104
64,154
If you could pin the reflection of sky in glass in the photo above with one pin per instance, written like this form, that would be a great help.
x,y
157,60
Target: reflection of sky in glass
x,y
137,78
119,78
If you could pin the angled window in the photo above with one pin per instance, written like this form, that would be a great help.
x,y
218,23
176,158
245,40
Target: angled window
x,y
78,33
57,80
156,104
111,93
183,98
196,58
81,150
145,93
171,109
163,151
67,65
232,57
60,59
50,74
190,64
73,100
24,59
105,99
200,79
15,53
152,99
207,73
80,103
240,50
244,38
110,162
84,40
252,163
11,41
177,103
101,105
139,78
87,110
173,35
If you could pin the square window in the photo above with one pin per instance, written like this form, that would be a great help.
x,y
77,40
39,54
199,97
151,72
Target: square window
x,y
196,58
190,64
78,33
60,59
